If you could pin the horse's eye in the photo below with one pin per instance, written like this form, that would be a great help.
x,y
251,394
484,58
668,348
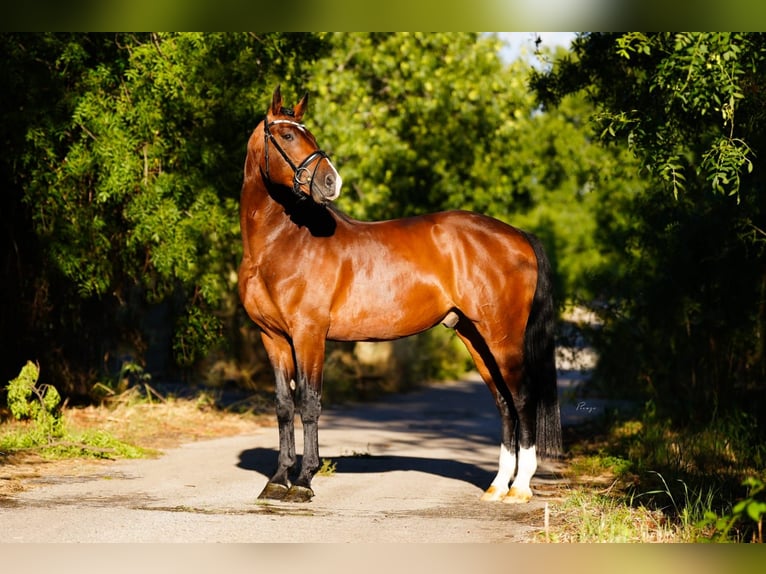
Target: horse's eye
x,y
288,136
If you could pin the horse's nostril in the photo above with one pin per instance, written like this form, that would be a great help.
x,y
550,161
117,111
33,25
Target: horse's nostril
x,y
329,180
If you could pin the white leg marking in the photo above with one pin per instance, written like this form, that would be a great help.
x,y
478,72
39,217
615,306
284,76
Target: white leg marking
x,y
520,490
507,466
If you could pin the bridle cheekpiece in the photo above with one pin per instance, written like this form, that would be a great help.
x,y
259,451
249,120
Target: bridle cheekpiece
x,y
303,175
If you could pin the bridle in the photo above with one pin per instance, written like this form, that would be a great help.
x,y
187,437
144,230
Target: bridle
x,y
301,171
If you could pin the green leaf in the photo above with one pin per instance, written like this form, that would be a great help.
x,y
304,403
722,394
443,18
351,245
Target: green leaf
x,y
756,510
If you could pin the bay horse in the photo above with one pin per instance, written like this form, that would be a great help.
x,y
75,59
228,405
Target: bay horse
x,y
310,274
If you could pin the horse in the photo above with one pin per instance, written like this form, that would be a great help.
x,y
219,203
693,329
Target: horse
x,y
310,273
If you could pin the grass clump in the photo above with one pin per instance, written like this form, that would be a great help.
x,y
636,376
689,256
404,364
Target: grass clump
x,y
610,503
646,480
589,516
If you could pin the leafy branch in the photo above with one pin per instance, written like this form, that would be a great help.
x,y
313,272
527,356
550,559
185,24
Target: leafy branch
x,y
27,400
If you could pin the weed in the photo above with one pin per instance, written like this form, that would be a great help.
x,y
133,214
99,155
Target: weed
x,y
748,513
130,386
328,467
689,511
36,403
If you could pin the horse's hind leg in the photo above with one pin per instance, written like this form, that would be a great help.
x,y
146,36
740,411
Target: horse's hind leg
x,y
281,357
507,462
501,365
517,449
490,372
526,411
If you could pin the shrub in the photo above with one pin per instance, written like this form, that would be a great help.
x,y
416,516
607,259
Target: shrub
x,y
39,404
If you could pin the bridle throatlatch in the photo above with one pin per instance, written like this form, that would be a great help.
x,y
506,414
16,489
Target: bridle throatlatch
x,y
303,175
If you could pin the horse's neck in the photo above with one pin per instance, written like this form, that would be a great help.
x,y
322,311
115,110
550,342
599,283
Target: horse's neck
x,y
257,207
260,217
277,211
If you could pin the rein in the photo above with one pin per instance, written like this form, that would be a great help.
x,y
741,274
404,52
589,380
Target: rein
x,y
302,170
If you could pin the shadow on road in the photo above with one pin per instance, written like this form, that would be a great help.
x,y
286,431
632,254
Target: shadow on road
x,y
262,460
465,411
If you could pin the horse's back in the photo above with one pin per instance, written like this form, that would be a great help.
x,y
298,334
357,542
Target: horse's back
x,y
445,229
464,244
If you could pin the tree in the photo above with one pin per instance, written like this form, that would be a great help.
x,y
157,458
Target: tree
x,y
688,314
413,119
127,169
424,122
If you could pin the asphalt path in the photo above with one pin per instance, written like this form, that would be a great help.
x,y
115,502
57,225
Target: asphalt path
x,y
410,468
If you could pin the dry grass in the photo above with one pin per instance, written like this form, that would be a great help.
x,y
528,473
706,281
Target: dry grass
x,y
164,424
158,425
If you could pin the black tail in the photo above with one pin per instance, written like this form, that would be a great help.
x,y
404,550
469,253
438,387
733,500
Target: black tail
x,y
540,357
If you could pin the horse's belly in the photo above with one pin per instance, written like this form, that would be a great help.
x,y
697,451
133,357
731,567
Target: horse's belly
x,y
384,323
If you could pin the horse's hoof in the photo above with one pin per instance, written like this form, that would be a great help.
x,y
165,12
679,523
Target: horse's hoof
x,y
493,494
274,491
517,496
299,494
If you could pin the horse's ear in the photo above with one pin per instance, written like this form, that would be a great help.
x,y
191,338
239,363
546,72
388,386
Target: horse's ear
x,y
300,107
276,102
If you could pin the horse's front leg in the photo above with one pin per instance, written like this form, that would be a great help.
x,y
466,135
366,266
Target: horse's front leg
x,y
310,359
281,357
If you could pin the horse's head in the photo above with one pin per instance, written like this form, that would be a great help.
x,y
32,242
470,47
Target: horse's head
x,y
291,156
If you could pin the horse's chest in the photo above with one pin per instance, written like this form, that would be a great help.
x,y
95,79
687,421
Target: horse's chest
x,y
259,300
273,299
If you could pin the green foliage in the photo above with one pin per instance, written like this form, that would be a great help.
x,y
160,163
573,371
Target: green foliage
x,y
197,333
745,518
682,285
684,101
127,172
414,120
148,180
754,506
46,432
38,404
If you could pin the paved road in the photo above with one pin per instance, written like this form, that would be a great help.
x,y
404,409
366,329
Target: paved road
x,y
408,469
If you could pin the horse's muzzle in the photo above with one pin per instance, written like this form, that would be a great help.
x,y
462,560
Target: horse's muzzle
x,y
325,182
